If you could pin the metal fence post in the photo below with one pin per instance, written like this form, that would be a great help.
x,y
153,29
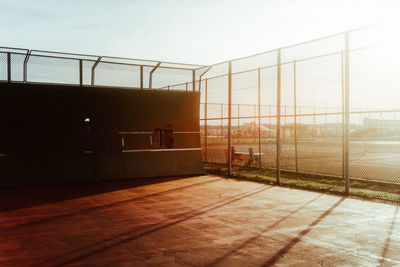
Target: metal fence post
x,y
80,72
347,117
270,120
259,116
151,75
25,74
141,77
254,123
205,121
343,117
229,119
194,80
238,124
278,120
295,115
9,67
221,129
94,69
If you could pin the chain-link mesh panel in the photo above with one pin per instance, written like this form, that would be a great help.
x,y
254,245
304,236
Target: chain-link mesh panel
x,y
87,72
217,70
319,82
215,145
288,156
268,87
3,66
268,138
42,69
17,67
324,46
146,77
268,112
245,87
179,87
120,75
217,140
203,86
375,146
374,118
218,90
203,137
164,77
254,62
320,144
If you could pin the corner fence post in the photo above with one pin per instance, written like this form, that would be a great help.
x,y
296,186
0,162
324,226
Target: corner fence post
x,y
151,75
230,119
25,70
347,117
278,119
94,69
9,67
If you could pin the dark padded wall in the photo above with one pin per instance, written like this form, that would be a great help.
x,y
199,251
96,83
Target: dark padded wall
x,y
44,137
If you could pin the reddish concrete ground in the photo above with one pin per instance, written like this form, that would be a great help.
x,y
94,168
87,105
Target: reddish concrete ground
x,y
195,221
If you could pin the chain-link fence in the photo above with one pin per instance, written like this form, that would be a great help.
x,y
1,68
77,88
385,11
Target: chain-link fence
x,y
322,114
46,67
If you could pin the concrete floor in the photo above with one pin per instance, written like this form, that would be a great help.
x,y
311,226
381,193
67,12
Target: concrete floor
x,y
194,221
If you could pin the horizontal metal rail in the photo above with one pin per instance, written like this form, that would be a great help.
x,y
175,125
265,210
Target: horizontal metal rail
x,y
111,57
162,150
138,132
302,115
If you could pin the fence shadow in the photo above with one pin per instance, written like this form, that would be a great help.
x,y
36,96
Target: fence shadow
x,y
271,261
97,248
252,239
389,237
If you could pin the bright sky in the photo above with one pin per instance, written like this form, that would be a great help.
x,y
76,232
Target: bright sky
x,y
191,31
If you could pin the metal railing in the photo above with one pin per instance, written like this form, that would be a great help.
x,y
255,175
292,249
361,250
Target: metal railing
x,y
37,66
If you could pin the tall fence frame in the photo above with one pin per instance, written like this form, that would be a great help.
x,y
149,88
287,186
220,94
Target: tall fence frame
x,y
343,113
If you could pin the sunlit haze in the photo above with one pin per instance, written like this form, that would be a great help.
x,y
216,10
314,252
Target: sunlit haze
x,y
203,32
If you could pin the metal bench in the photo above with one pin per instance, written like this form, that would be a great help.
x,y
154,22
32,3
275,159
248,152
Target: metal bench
x,y
250,155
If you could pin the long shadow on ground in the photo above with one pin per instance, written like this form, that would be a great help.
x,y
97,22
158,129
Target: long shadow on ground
x,y
17,197
126,237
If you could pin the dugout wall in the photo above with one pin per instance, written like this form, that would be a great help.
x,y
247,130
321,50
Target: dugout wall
x,y
54,133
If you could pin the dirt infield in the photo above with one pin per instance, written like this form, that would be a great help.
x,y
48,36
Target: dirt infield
x,y
193,221
368,160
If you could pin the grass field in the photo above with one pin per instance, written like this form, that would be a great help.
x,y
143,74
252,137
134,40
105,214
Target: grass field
x,y
329,184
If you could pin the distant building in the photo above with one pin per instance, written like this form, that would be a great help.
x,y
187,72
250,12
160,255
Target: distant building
x,y
376,123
